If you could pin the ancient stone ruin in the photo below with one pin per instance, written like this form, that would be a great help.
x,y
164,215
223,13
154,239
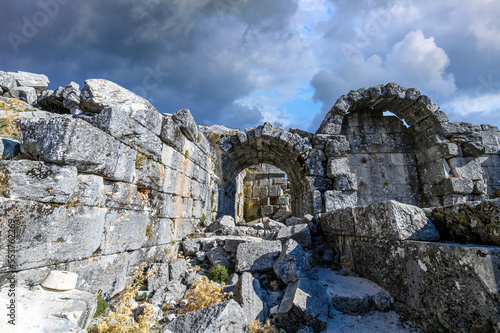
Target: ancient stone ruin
x,y
387,219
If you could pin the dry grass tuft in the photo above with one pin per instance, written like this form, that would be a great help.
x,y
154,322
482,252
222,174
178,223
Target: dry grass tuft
x,y
204,293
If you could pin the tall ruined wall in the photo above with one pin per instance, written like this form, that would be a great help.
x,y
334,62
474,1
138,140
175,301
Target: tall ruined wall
x,y
103,189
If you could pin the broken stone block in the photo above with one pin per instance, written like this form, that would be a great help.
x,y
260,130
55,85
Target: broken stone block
x,y
171,134
9,149
178,269
337,200
305,303
225,224
39,310
300,233
7,81
218,256
66,140
41,181
258,256
190,246
273,225
337,166
25,94
250,295
291,221
39,82
473,223
170,291
186,123
337,146
293,263
217,318
127,123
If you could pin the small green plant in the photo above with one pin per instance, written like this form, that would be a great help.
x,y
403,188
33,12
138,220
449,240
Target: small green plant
x,y
149,231
4,177
102,305
203,218
141,159
186,154
218,273
144,296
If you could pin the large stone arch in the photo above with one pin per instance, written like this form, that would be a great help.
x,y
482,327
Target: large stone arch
x,y
448,167
272,145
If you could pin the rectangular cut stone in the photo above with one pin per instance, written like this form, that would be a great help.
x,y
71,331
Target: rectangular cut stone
x,y
337,166
118,121
386,220
41,181
125,230
66,140
171,134
257,257
161,232
275,191
334,200
470,271
47,234
90,189
122,195
468,167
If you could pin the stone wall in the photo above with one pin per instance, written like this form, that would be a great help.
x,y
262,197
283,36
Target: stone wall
x,y
97,192
265,193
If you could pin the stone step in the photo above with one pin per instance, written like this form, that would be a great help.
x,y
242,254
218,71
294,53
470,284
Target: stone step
x,y
353,295
374,321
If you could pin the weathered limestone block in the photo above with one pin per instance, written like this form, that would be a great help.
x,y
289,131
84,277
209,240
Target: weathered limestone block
x,y
121,195
72,141
218,318
456,283
7,81
346,182
38,81
190,246
224,224
337,166
218,256
314,163
275,191
337,146
305,303
178,269
98,94
39,310
273,225
159,232
124,230
150,174
186,123
334,200
25,94
47,234
258,256
127,123
299,232
41,181
292,263
251,297
351,294
90,190
458,185
468,167
473,223
386,220
9,149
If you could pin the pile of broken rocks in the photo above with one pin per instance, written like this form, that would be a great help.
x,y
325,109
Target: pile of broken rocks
x,y
282,273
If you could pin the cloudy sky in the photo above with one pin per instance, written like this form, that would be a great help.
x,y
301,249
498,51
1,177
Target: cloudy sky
x,y
243,62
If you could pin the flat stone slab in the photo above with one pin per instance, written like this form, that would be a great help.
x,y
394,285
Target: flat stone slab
x,y
257,257
370,322
39,310
351,294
